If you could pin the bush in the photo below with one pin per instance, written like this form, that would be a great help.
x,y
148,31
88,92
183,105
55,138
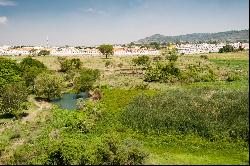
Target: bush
x,y
43,53
204,57
69,64
108,63
226,48
48,86
157,58
163,72
11,98
141,60
29,62
114,152
86,80
9,72
208,113
200,73
233,76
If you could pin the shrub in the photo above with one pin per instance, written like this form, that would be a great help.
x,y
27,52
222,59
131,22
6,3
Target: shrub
x,y
86,80
208,113
9,72
48,86
141,60
43,53
204,56
69,64
200,73
163,72
108,63
157,58
112,151
233,76
29,62
11,98
172,57
227,48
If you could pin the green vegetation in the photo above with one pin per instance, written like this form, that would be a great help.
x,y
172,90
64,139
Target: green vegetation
x,y
43,53
48,86
85,81
69,64
106,50
141,60
188,110
200,111
11,98
9,72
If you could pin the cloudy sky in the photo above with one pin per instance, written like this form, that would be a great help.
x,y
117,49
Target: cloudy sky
x,y
92,22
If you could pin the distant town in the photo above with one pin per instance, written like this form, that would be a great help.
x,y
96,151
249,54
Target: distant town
x,y
119,50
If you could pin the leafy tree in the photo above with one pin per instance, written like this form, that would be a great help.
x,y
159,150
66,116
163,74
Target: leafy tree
x,y
43,53
11,98
226,48
106,50
86,80
48,86
9,72
30,69
30,62
69,64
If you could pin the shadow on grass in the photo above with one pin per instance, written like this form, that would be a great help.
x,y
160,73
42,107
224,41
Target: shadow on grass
x,y
6,116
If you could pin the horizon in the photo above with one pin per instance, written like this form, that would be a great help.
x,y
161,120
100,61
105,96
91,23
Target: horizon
x,y
97,22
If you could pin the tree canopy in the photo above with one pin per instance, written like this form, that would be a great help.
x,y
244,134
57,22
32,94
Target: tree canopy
x,y
106,50
43,53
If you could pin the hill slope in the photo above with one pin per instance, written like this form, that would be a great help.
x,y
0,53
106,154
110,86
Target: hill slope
x,y
232,36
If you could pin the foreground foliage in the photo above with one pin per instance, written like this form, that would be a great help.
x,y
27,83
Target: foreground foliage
x,y
213,115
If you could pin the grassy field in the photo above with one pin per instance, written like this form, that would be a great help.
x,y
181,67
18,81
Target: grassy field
x,y
46,127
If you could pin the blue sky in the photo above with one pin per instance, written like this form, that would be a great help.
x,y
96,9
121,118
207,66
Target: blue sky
x,y
92,22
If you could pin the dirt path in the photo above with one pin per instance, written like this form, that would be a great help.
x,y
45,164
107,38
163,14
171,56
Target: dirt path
x,y
42,105
10,149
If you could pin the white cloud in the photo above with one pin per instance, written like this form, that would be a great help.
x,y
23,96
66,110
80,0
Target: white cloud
x,y
7,3
3,20
95,11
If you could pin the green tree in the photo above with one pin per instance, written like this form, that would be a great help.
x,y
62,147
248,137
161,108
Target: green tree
x,y
30,69
43,53
48,86
226,48
9,72
11,98
106,50
85,81
69,64
30,62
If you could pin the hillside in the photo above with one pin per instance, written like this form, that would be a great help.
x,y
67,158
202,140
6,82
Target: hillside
x,y
232,36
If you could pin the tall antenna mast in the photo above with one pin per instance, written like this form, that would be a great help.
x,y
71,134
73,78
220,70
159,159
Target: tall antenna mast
x,y
47,40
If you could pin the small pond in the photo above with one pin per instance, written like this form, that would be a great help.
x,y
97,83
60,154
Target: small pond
x,y
68,100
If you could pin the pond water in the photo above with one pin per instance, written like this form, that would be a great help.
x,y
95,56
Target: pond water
x,y
68,100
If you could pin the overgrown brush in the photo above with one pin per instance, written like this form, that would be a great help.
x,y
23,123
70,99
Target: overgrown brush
x,y
213,114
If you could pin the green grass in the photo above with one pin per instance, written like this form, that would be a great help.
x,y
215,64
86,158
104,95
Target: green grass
x,y
231,63
79,133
